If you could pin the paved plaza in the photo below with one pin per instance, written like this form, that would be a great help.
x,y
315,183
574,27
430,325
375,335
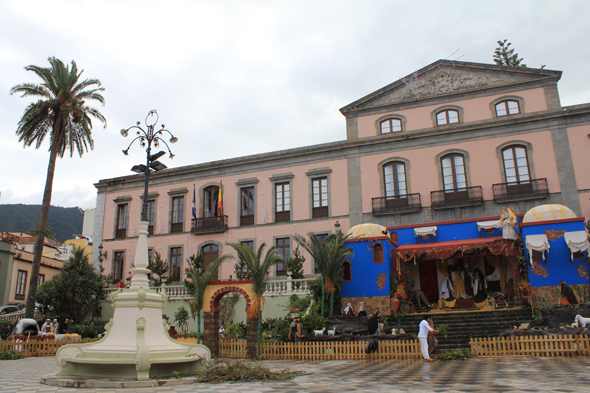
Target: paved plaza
x,y
475,375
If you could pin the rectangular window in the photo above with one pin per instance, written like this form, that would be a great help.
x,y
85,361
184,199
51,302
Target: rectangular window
x,y
322,239
250,244
122,220
320,197
119,265
176,262
41,279
247,206
177,214
282,202
151,214
21,285
284,248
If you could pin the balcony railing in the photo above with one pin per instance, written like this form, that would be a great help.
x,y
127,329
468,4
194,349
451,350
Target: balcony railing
x,y
286,287
520,191
409,203
448,199
121,233
209,225
319,212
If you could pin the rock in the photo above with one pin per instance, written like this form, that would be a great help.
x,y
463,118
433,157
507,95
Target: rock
x,y
524,326
401,331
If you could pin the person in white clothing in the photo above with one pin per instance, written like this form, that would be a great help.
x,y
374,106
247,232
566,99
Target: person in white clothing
x,y
423,336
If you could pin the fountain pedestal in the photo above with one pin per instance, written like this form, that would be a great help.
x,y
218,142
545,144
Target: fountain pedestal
x,y
136,344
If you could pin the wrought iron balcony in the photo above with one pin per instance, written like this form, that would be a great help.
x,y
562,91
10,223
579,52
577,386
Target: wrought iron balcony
x,y
448,199
520,191
205,225
409,203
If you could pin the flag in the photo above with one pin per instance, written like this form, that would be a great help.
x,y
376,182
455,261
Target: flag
x,y
194,204
220,200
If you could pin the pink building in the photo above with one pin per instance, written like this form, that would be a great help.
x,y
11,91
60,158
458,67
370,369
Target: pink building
x,y
452,141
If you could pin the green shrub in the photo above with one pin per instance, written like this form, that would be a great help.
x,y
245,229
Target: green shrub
x,y
11,354
6,328
457,354
89,328
234,328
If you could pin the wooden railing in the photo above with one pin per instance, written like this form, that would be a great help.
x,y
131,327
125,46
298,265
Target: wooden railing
x,y
229,348
531,346
37,348
341,350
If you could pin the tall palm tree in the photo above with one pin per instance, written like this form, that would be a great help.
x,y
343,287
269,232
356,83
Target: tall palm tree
x,y
259,270
329,256
198,281
60,112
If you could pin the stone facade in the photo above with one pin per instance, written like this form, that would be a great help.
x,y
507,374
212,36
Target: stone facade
x,y
371,304
551,294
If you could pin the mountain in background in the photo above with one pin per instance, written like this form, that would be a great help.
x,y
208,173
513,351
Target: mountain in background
x,y
65,221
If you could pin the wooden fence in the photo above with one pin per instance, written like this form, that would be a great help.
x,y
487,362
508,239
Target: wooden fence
x,y
531,346
229,348
341,350
37,348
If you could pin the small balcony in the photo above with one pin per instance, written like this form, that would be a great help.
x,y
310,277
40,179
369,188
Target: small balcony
x,y
247,220
319,212
206,225
121,233
520,191
461,197
410,203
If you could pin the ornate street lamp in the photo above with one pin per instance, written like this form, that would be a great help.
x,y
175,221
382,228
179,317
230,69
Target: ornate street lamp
x,y
147,139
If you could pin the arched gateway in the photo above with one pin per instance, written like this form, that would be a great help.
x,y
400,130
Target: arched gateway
x,y
214,292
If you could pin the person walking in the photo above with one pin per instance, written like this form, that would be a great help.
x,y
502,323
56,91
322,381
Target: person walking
x,y
423,336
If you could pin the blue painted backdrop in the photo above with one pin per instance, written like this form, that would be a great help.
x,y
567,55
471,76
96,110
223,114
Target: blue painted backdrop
x,y
364,272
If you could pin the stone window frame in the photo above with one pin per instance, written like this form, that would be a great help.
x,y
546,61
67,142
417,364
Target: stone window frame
x,y
152,196
114,263
182,256
466,163
457,108
282,178
245,183
396,116
529,152
177,192
381,169
315,174
122,200
20,291
314,268
498,100
249,239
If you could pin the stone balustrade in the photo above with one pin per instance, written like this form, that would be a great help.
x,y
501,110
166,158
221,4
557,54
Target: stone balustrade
x,y
286,287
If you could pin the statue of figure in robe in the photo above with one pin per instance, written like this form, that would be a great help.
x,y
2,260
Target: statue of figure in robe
x,y
508,222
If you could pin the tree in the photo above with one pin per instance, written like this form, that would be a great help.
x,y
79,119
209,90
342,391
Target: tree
x,y
241,270
505,56
76,292
328,255
159,268
60,112
198,279
34,231
259,270
295,264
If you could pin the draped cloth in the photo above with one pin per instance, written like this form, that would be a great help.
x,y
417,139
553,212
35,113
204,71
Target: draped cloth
x,y
446,290
425,231
536,243
373,323
479,286
497,263
576,241
568,293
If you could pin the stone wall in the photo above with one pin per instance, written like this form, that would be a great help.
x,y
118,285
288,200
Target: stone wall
x,y
372,303
552,294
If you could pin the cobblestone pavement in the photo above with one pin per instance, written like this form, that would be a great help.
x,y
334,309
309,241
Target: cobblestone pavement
x,y
481,375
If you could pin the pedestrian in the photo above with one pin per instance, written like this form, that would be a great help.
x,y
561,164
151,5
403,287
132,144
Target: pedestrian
x,y
423,336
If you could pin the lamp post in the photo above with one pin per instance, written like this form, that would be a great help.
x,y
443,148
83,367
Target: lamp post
x,y
147,139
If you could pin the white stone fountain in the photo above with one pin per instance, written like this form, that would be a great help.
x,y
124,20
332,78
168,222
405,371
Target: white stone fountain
x,y
136,345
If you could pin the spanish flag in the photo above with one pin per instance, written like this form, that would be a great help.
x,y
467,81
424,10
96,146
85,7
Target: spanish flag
x,y
220,200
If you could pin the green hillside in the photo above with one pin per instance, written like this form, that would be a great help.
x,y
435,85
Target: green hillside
x,y
65,221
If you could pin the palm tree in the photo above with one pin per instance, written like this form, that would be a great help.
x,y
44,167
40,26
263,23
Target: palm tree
x,y
259,270
198,281
329,256
60,112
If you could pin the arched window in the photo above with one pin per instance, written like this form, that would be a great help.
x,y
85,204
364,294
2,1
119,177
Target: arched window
x,y
378,253
394,179
210,254
211,194
390,125
453,172
345,270
516,164
448,116
508,107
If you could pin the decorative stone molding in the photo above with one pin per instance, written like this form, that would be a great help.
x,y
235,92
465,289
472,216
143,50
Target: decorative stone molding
x,y
178,191
250,181
397,116
518,99
318,171
282,177
122,199
67,352
457,108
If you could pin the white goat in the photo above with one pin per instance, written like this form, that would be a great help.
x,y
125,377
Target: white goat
x,y
332,332
319,332
582,321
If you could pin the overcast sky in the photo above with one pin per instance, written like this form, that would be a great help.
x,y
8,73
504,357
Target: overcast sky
x,y
233,78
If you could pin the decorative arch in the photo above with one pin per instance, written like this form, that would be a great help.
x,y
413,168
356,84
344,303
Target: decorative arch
x,y
517,142
457,108
217,295
396,116
440,155
386,161
518,99
202,195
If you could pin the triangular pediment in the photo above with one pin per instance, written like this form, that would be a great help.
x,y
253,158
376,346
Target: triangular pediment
x,y
449,78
